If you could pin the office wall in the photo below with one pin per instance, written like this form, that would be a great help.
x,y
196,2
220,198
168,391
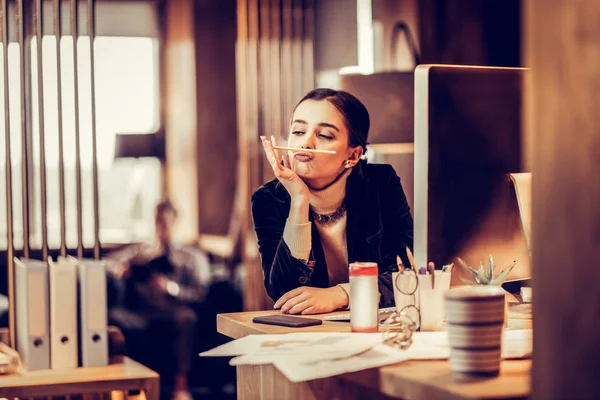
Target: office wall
x,y
562,42
335,34
386,13
335,40
470,32
200,113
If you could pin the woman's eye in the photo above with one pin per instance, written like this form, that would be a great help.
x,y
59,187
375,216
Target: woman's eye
x,y
297,132
326,137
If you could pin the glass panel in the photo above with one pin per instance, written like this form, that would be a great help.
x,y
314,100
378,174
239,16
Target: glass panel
x,y
126,71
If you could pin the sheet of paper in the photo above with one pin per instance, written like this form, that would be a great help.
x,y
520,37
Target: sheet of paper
x,y
517,343
302,343
312,355
429,346
252,343
322,348
520,311
378,356
271,358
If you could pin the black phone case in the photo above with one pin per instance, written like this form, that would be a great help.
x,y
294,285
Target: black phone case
x,y
287,320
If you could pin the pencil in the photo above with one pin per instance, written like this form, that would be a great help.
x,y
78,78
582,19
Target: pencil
x,y
431,267
411,259
305,150
399,263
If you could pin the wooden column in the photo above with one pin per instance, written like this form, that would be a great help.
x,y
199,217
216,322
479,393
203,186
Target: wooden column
x,y
561,48
180,116
215,27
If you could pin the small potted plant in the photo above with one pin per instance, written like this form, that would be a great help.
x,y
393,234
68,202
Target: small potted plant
x,y
485,276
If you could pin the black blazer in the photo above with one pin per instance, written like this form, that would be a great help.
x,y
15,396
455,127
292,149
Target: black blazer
x,y
378,228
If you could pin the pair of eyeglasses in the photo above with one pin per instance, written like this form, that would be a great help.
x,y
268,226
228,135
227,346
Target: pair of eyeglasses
x,y
407,283
399,327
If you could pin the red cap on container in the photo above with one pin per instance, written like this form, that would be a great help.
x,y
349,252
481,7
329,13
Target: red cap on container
x,y
363,269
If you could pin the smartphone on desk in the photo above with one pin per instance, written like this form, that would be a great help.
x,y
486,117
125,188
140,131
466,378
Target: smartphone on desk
x,y
286,320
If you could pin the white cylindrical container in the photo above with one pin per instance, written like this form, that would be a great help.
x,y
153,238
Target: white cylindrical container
x,y
364,297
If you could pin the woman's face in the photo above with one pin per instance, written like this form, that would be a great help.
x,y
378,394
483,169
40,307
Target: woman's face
x,y
319,125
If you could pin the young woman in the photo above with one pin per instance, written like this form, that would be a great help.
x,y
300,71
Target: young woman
x,y
324,211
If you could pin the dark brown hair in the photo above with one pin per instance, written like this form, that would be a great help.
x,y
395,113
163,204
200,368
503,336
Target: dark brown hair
x,y
356,116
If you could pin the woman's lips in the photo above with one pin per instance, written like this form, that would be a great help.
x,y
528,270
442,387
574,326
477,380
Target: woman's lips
x,y
303,157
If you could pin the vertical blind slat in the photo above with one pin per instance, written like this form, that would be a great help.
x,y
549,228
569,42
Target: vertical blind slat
x,y
57,11
8,168
91,34
275,67
42,133
308,70
25,145
78,195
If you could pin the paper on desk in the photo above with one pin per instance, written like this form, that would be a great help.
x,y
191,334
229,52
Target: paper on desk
x,y
520,311
517,343
377,356
311,355
313,349
309,345
429,346
252,343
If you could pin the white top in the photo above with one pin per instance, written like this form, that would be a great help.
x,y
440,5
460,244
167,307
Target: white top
x,y
333,235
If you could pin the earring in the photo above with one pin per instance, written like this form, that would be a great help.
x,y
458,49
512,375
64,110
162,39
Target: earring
x,y
348,164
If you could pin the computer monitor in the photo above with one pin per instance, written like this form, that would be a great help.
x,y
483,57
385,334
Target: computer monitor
x,y
467,142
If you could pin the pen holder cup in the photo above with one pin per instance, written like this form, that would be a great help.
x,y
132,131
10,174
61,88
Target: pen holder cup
x,y
416,292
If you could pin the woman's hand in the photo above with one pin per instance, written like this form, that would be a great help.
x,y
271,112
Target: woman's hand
x,y
310,300
289,179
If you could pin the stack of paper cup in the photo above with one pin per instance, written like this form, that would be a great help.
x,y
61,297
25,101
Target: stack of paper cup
x,y
475,317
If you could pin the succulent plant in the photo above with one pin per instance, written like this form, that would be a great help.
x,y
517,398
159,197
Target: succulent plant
x,y
485,276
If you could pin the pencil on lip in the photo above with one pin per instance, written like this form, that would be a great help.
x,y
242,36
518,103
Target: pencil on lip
x,y
305,150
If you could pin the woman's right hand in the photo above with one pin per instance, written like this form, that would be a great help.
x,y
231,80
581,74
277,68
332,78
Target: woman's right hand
x,y
283,172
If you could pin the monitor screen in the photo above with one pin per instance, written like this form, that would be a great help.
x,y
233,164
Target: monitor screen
x,y
467,142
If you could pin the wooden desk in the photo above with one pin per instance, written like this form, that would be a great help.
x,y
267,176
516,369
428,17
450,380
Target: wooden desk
x,y
129,375
407,380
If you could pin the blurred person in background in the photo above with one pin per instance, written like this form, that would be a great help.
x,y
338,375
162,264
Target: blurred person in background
x,y
158,284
